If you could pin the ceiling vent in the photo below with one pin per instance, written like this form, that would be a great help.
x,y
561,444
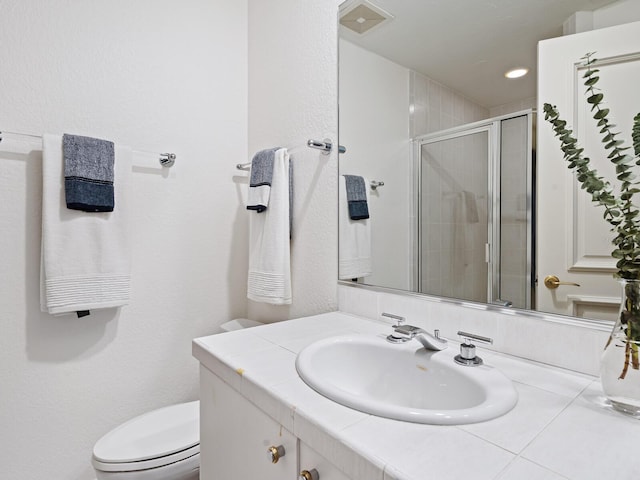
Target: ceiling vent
x,y
361,16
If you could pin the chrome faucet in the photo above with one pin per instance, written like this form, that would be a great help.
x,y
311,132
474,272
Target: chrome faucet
x,y
404,333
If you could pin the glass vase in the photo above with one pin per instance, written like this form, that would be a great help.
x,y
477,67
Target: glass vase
x,y
620,363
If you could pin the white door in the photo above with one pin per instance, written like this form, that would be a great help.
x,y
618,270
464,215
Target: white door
x,y
573,240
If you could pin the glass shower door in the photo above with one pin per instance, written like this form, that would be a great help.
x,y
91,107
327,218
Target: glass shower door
x,y
454,219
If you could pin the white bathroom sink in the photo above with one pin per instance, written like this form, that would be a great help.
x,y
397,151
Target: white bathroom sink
x,y
404,381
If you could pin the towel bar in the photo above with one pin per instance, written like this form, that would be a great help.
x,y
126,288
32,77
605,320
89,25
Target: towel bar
x,y
325,145
166,159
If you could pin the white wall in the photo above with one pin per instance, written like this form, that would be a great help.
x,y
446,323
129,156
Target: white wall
x,y
374,127
616,13
513,107
157,75
292,98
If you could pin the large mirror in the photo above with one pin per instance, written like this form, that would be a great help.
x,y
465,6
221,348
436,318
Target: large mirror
x,y
444,144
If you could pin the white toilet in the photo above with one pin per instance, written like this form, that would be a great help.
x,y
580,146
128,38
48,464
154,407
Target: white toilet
x,y
160,445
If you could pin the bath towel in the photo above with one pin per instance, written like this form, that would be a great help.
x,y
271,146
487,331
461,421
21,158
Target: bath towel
x,y
85,262
269,279
88,173
260,180
356,197
354,239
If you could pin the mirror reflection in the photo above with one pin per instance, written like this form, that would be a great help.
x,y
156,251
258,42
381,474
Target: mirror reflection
x,y
445,144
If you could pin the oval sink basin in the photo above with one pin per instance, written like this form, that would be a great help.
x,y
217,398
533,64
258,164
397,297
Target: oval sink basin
x,y
404,381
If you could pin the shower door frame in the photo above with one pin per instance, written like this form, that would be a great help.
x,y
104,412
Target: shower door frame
x,y
492,127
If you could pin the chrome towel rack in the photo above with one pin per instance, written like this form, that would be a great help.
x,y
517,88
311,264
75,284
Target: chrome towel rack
x,y
325,146
166,160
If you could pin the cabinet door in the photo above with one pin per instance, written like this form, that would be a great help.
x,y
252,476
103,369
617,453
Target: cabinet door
x,y
235,436
310,459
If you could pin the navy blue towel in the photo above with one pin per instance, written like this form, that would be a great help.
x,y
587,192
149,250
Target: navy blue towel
x,y
356,197
260,181
88,173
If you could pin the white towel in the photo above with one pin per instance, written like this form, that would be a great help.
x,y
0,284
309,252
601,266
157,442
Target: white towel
x,y
269,244
85,262
355,239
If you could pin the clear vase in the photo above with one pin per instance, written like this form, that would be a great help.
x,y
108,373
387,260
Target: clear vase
x,y
620,363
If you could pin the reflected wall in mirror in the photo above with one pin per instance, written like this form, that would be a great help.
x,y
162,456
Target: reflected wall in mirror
x,y
425,108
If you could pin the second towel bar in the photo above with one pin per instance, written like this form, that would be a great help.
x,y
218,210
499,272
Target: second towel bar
x,y
325,145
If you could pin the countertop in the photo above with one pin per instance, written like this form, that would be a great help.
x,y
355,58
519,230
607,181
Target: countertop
x,y
561,428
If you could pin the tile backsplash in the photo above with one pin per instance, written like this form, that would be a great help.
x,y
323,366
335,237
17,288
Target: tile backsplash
x,y
543,338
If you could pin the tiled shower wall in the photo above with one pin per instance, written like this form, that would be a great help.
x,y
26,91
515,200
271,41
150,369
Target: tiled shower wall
x,y
436,107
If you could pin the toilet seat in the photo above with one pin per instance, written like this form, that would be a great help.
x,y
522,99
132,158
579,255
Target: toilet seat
x,y
190,453
154,439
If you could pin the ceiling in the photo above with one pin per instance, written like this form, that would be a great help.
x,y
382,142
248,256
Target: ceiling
x,y
468,45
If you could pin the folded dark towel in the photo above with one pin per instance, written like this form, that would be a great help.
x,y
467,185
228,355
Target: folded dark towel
x,y
356,197
88,173
260,180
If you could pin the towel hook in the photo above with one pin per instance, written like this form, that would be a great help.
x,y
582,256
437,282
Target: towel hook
x,y
375,184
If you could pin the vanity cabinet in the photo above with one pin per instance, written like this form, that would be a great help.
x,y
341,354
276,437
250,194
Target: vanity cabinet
x,y
236,439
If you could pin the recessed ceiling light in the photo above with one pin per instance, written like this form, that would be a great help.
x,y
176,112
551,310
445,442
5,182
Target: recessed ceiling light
x,y
517,73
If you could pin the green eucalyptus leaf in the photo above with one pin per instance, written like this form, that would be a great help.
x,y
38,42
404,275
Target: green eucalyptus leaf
x,y
595,99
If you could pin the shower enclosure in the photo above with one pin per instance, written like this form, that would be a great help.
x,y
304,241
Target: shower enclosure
x,y
474,187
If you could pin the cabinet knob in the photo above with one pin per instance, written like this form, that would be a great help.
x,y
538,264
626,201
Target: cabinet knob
x,y
309,475
275,453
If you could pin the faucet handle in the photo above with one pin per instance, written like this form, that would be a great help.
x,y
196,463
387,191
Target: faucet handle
x,y
472,336
467,356
397,318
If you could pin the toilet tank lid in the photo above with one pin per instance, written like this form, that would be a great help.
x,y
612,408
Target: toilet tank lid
x,y
158,433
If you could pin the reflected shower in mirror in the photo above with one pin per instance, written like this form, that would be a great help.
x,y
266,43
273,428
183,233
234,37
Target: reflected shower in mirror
x,y
425,107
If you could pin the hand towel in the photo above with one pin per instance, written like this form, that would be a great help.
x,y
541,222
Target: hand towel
x,y
260,180
357,197
269,279
470,206
354,239
88,173
85,256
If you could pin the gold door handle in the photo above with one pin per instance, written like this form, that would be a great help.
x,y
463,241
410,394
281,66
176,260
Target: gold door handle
x,y
552,281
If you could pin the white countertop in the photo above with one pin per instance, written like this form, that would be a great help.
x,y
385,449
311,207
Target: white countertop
x,y
561,427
